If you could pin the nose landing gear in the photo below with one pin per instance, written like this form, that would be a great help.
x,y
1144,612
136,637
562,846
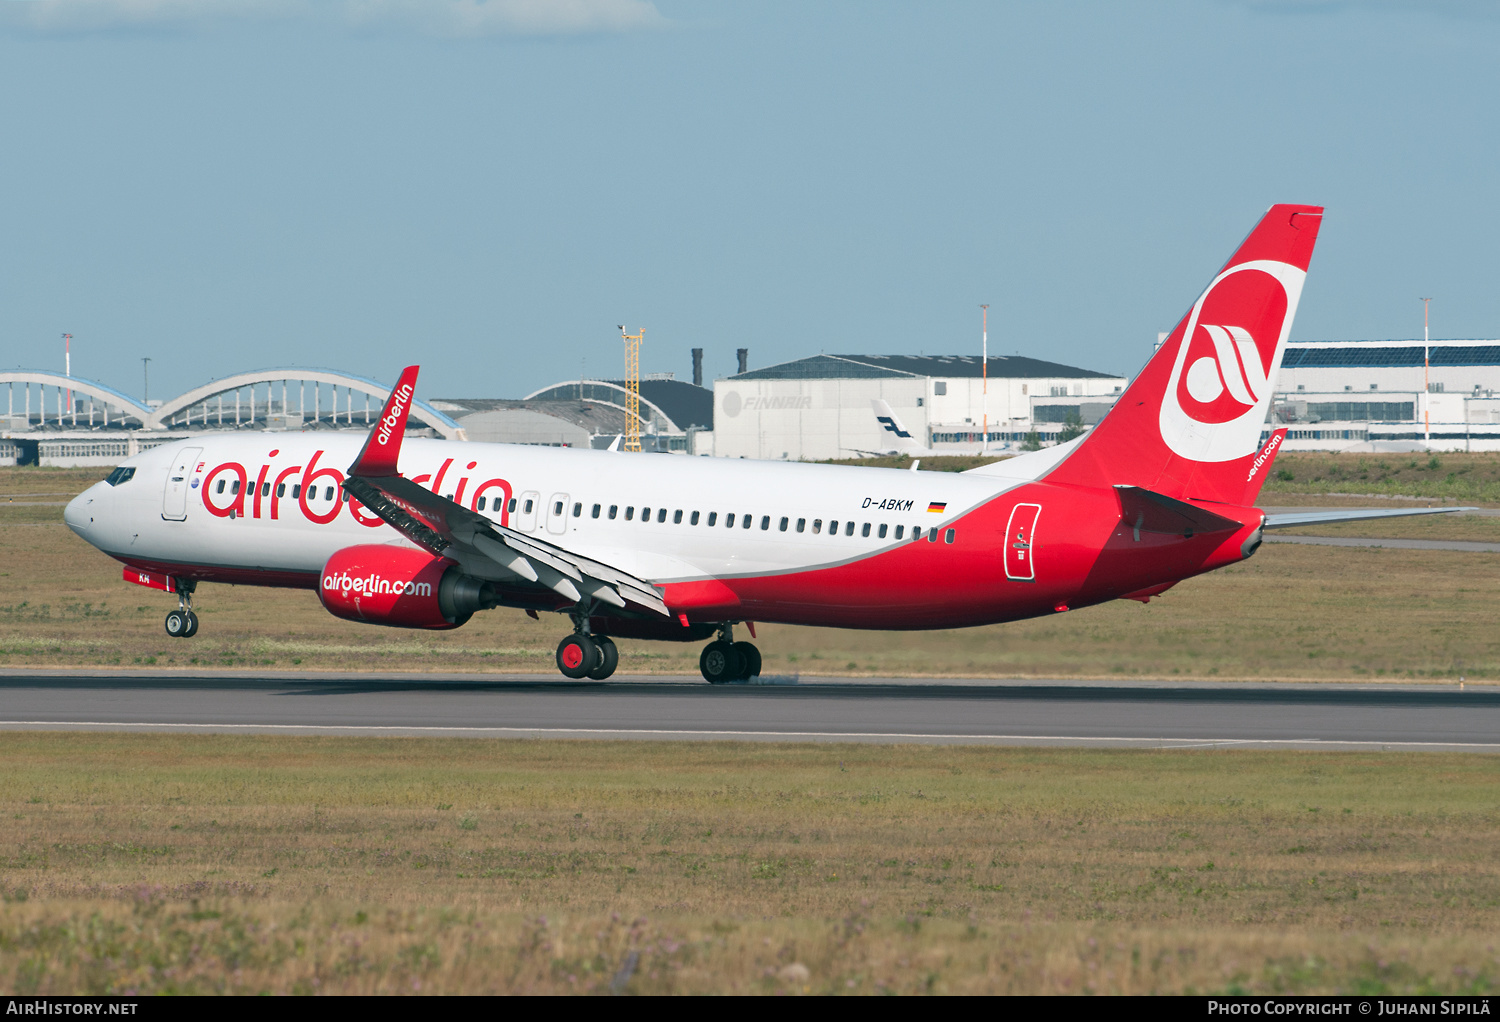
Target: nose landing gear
x,y
182,623
726,660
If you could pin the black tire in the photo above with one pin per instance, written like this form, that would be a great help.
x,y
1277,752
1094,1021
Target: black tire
x,y
192,625
609,658
720,662
749,659
577,655
177,624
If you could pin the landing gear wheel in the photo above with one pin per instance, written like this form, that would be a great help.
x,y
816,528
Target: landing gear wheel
x,y
177,624
609,658
577,655
192,625
749,660
721,662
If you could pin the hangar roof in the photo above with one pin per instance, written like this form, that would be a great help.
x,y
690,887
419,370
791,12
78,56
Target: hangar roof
x,y
1389,354
868,367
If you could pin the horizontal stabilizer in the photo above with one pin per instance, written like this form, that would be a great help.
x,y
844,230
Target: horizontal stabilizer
x,y
1147,511
1292,519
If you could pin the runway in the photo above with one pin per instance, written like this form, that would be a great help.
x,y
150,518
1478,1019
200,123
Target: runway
x,y
1088,714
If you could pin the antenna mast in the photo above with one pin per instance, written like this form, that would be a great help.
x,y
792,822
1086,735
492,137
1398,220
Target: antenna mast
x,y
68,372
632,388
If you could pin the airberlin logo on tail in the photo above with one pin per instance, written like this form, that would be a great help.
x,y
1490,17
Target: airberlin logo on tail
x,y
393,417
1226,360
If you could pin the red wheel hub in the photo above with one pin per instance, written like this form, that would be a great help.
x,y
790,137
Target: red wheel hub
x,y
572,656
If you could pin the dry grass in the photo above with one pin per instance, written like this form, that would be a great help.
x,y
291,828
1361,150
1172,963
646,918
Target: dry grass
x,y
212,863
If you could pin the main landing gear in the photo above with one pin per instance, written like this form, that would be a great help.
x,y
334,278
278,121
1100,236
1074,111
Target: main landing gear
x,y
584,655
182,623
726,660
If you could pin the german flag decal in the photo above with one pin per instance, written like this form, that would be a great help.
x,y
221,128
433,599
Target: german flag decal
x,y
937,507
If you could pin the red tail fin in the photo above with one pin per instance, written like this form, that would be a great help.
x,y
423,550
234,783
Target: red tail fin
x,y
383,446
1189,425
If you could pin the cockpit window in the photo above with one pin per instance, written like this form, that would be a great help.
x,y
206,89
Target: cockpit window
x,y
123,474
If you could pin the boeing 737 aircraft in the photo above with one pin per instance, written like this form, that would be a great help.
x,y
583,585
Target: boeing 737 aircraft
x,y
425,533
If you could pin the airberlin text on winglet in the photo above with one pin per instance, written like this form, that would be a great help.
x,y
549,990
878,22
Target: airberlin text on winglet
x,y
399,401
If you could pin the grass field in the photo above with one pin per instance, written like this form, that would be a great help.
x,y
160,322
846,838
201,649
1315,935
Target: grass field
x,y
1411,615
153,864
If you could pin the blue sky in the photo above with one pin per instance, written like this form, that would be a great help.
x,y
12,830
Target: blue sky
x,y
490,186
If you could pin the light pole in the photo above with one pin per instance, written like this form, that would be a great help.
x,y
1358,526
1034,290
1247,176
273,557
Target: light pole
x,y
984,394
145,382
1426,383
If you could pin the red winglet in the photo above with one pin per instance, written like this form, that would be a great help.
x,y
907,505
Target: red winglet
x,y
378,456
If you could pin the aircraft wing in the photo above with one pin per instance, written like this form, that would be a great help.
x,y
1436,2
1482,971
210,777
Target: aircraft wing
x,y
1351,514
436,523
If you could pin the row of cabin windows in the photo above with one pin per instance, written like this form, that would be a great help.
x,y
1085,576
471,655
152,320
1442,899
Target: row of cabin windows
x,y
265,490
881,531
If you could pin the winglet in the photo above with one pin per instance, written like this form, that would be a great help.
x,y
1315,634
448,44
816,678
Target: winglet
x,y
378,456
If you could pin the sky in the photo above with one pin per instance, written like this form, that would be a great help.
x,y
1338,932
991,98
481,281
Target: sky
x,y
491,187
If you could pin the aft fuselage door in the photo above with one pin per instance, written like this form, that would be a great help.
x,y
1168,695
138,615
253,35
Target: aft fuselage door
x,y
179,480
525,519
557,514
1020,543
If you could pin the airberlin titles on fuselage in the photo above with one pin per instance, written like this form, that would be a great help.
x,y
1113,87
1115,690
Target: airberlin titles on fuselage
x,y
229,482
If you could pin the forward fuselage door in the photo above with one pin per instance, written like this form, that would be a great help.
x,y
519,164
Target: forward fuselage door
x,y
179,480
1020,543
525,518
557,514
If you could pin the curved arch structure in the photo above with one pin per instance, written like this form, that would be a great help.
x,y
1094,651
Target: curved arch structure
x,y
161,418
606,393
107,396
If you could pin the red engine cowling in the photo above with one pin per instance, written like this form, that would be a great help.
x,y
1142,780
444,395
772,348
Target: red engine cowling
x,y
400,586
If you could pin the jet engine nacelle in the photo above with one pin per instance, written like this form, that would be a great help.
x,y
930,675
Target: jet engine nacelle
x,y
402,587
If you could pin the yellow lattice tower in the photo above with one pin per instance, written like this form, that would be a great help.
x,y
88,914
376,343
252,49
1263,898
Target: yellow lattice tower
x,y
632,388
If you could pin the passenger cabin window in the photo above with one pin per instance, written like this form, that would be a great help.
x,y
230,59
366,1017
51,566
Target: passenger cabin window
x,y
783,524
677,517
614,509
817,526
220,487
512,505
645,514
765,522
849,529
661,516
693,520
883,527
235,487
265,489
932,535
527,509
328,493
802,525
865,532
296,491
594,511
480,503
557,507
833,527
629,513
745,520
578,510
713,517
899,530
948,536
281,489
729,520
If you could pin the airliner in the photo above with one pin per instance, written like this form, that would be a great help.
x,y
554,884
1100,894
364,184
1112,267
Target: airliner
x,y
422,533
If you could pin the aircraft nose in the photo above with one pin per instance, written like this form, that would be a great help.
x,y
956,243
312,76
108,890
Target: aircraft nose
x,y
79,514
